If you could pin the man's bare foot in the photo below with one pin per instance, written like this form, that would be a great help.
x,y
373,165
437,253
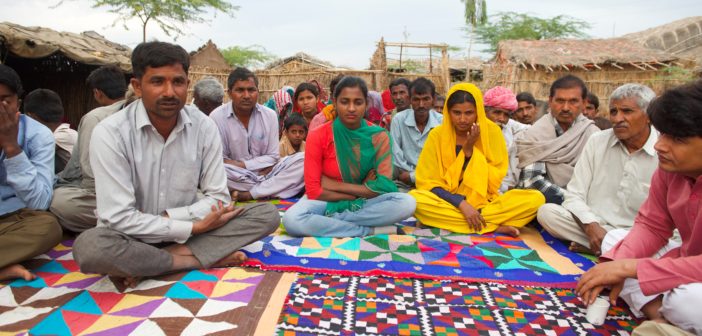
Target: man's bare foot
x,y
245,196
235,196
508,230
234,259
131,282
652,309
577,248
16,271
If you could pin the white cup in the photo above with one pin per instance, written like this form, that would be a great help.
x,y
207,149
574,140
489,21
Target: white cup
x,y
597,311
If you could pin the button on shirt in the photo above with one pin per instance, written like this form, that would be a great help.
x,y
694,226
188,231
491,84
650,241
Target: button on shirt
x,y
256,146
27,179
609,184
408,141
139,175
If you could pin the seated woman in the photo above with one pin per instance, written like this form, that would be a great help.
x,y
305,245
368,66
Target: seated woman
x,y
348,175
460,170
306,99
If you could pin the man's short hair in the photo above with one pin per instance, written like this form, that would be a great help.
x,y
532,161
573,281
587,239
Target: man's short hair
x,y
110,80
592,99
209,89
240,74
11,79
568,82
422,85
678,112
399,81
45,105
639,92
157,54
526,97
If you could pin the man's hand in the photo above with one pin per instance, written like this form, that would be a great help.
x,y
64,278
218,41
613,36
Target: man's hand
x,y
237,163
471,139
595,234
405,177
611,273
474,219
219,216
9,129
265,171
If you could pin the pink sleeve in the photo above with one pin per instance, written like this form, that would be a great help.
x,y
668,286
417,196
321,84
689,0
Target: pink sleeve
x,y
661,275
314,149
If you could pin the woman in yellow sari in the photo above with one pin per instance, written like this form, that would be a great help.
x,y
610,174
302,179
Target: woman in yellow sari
x,y
460,170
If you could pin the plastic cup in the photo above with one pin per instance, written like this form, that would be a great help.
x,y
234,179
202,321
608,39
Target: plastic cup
x,y
597,311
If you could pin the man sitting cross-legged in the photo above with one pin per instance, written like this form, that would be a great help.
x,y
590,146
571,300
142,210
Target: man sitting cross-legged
x,y
612,176
149,160
249,133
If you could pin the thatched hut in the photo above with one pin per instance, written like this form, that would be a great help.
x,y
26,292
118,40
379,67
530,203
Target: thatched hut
x,y
60,61
397,60
604,64
208,61
682,38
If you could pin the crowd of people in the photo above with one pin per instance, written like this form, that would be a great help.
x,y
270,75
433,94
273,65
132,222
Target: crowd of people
x,y
150,184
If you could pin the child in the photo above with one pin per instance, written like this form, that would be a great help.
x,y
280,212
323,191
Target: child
x,y
294,134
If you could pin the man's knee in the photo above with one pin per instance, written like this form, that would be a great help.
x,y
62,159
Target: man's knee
x,y
549,215
612,238
94,249
680,307
70,216
267,216
46,226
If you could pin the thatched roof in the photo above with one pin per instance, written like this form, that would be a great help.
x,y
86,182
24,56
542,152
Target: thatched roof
x,y
87,47
302,57
682,37
208,56
552,54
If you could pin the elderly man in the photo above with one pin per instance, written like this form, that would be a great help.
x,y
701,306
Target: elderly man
x,y
659,278
74,196
410,129
399,90
26,178
208,94
612,176
548,151
249,133
500,102
149,160
526,108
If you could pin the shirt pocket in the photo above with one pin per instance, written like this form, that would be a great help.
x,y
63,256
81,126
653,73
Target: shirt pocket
x,y
185,177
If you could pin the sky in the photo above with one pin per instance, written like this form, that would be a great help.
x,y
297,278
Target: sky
x,y
344,33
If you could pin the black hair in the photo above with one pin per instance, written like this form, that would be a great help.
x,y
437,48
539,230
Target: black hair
x,y
459,97
568,82
110,80
305,86
295,119
45,105
593,100
422,85
678,111
11,79
240,74
157,54
526,97
351,82
333,83
400,81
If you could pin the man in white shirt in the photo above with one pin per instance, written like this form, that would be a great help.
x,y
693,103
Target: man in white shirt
x,y
45,106
149,160
612,177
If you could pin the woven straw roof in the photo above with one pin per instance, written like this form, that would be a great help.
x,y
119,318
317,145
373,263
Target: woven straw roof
x,y
301,57
87,47
682,37
558,53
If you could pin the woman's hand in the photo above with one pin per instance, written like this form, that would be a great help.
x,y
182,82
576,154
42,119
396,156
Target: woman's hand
x,y
471,138
370,176
474,219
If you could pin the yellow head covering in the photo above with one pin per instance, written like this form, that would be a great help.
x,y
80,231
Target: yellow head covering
x,y
439,166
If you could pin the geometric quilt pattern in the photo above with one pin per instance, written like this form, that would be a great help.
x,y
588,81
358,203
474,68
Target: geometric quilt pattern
x,y
342,305
63,301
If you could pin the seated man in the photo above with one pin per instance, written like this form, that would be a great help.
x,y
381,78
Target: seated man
x,y
399,90
26,178
592,106
208,94
149,160
74,196
410,129
439,102
249,133
45,106
658,278
548,150
500,102
612,176
526,108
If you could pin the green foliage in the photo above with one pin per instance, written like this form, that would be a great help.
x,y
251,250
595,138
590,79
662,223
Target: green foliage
x,y
250,56
475,12
676,73
170,15
519,26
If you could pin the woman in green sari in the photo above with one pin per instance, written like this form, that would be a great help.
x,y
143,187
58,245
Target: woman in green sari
x,y
348,175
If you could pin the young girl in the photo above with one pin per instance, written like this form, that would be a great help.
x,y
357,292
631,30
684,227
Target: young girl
x,y
306,100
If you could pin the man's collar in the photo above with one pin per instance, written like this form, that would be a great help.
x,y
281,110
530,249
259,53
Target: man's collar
x,y
647,147
142,118
233,114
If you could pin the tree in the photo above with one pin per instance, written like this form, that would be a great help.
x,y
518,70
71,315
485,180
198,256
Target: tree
x,y
519,26
246,56
168,14
475,14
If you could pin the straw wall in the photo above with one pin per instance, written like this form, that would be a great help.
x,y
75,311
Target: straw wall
x,y
195,74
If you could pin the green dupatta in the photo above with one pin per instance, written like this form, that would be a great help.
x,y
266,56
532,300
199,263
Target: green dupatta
x,y
357,154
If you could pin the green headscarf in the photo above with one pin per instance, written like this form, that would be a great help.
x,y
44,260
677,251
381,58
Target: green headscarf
x,y
356,156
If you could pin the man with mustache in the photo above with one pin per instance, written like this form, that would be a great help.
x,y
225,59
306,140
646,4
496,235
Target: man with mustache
x,y
249,134
526,108
399,91
149,160
410,128
548,151
612,176
658,277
